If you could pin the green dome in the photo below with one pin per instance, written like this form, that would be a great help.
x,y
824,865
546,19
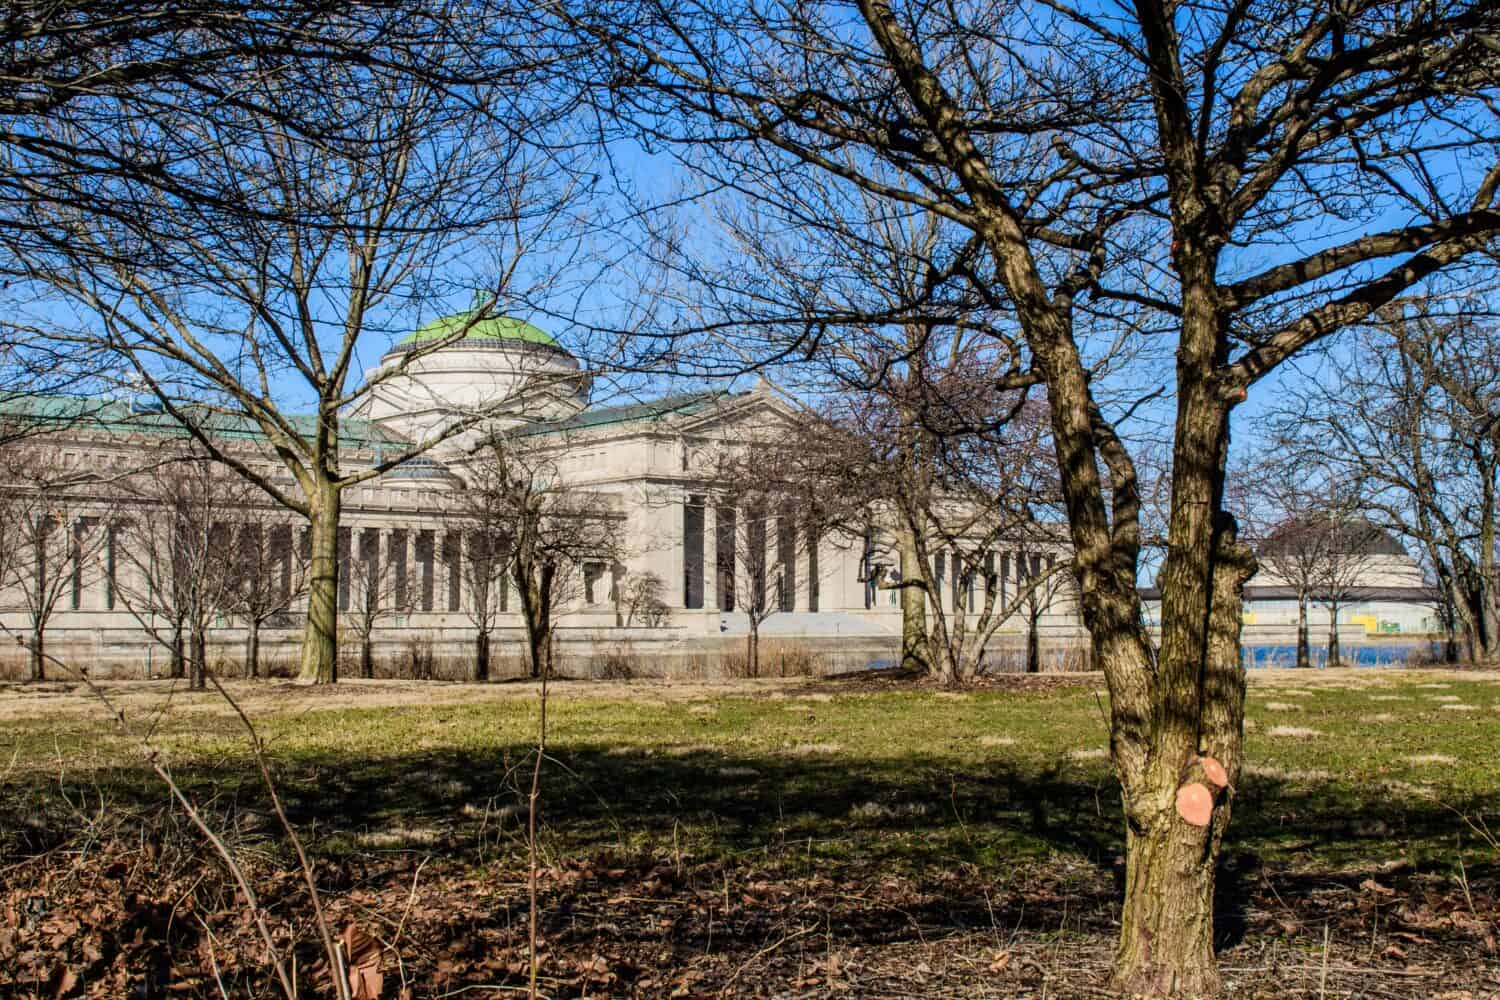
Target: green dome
x,y
491,328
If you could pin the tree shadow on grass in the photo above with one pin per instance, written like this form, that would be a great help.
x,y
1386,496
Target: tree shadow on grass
x,y
1009,844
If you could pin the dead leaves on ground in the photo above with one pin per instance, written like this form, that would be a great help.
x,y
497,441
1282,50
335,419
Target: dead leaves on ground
x,y
110,924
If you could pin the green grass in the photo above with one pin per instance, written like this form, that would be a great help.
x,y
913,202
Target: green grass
x,y
1374,772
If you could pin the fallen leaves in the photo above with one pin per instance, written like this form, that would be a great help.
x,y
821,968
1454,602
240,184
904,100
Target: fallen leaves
x,y
362,962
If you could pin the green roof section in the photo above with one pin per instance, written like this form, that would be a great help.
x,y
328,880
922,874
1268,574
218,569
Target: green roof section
x,y
487,328
681,404
146,416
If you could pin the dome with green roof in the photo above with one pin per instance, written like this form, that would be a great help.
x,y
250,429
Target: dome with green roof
x,y
492,330
473,361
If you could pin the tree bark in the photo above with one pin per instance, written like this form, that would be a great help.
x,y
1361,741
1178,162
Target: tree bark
x,y
1334,657
320,636
178,666
252,650
540,645
482,656
198,665
1033,646
1166,927
752,650
366,657
916,653
38,650
1304,640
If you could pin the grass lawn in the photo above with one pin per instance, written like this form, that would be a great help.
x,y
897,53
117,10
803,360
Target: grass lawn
x,y
771,839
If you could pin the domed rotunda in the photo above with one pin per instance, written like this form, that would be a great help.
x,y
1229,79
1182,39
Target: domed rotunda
x,y
459,365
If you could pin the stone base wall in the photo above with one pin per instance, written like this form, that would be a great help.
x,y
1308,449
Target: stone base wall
x,y
448,653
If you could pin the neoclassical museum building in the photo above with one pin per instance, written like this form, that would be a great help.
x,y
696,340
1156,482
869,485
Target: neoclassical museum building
x,y
643,457
645,460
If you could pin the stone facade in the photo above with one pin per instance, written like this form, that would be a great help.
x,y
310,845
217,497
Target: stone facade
x,y
648,458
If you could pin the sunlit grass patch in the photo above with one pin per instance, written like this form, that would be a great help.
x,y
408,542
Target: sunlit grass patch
x,y
1294,732
736,769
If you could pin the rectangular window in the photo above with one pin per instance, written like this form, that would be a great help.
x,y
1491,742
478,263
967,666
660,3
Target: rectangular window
x,y
869,572
110,565
593,573
369,568
692,552
344,592
960,572
425,547
502,574
396,554
756,557
725,528
281,547
453,561
786,554
939,574
81,529
812,569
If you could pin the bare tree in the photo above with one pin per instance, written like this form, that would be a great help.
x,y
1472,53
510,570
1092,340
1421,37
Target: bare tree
x,y
774,501
1301,519
957,472
324,247
176,538
488,525
547,529
1413,423
272,575
882,312
56,525
641,601
374,592
1042,582
1067,140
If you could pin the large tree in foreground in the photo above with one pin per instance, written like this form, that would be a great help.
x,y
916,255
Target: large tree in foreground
x,y
255,311
1155,171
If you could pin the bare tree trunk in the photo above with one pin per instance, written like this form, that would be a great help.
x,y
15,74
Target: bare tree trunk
x,y
320,637
198,667
252,649
178,666
366,656
1033,645
1304,640
1334,658
38,658
1166,927
752,649
916,652
540,644
482,656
